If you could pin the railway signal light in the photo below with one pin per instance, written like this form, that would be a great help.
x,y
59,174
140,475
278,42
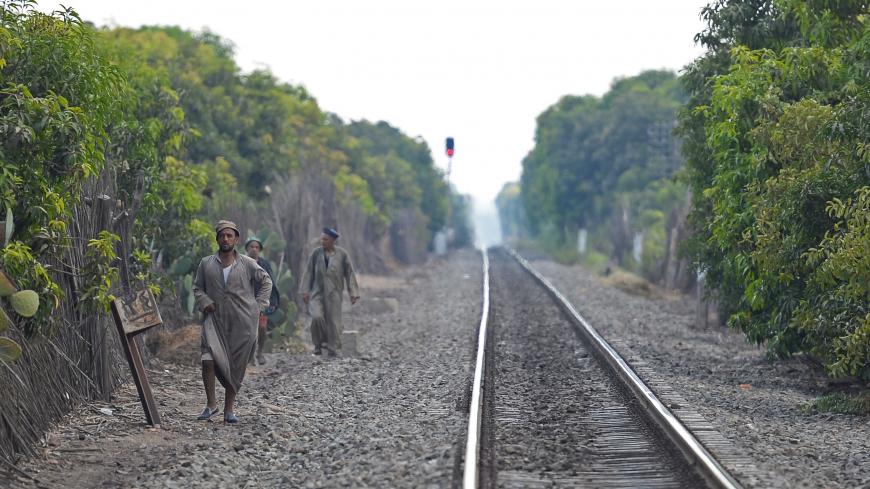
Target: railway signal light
x,y
450,148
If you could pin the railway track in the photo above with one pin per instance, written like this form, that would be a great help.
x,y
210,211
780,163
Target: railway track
x,y
553,405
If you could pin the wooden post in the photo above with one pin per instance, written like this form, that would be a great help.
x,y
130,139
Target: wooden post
x,y
133,315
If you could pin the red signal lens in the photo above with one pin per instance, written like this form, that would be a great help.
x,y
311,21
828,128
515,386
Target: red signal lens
x,y
450,152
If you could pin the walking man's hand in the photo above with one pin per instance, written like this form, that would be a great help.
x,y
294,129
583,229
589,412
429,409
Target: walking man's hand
x,y
305,297
353,300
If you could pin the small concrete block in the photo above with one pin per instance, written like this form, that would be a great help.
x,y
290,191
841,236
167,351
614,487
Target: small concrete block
x,y
392,304
348,344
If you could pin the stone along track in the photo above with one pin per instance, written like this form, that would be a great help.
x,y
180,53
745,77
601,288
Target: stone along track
x,y
552,415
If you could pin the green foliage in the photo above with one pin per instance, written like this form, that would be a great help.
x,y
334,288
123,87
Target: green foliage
x,y
588,149
511,214
835,316
241,133
152,145
595,261
459,220
401,171
18,261
597,160
654,244
99,272
273,244
57,98
69,114
776,151
159,127
550,241
284,318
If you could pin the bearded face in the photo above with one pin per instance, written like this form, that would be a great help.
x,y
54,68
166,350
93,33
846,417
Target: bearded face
x,y
226,239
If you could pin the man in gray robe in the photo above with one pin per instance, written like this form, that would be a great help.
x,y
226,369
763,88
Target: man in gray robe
x,y
253,247
329,269
231,290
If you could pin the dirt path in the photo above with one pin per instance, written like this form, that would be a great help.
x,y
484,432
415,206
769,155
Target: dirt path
x,y
392,418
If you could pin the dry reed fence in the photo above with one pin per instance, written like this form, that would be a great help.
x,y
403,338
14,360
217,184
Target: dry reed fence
x,y
83,360
302,204
78,363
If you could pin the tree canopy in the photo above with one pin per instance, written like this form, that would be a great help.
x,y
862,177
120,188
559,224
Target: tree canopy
x,y
163,129
776,137
597,160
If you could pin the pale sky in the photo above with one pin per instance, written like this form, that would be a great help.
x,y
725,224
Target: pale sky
x,y
479,71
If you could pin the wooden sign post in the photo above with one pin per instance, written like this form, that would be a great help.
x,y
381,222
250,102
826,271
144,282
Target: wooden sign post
x,y
134,314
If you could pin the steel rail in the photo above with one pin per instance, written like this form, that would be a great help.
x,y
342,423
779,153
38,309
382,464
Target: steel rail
x,y
693,451
472,443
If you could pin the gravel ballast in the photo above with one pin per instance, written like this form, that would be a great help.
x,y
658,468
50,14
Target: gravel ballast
x,y
554,415
753,402
394,417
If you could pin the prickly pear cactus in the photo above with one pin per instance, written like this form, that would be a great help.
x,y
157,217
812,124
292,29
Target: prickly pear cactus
x,y
187,297
5,322
284,281
25,302
9,350
7,288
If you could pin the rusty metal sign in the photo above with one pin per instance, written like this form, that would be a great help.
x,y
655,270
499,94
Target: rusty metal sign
x,y
133,315
138,311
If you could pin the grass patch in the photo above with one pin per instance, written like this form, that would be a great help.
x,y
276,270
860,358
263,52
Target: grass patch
x,y
630,283
840,403
563,255
595,261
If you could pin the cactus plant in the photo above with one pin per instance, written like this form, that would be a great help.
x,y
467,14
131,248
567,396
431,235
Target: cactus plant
x,y
25,302
181,265
9,350
284,282
5,322
277,318
7,288
187,297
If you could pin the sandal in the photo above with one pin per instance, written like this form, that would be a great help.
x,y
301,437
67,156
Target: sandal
x,y
230,418
207,413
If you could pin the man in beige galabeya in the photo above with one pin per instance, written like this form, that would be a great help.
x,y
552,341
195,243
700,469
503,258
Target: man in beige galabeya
x,y
231,290
329,269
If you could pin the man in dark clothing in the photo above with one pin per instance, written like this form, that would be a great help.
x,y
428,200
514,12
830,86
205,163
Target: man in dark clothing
x,y
253,247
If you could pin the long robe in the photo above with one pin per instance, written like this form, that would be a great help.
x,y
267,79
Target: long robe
x,y
324,284
275,297
229,334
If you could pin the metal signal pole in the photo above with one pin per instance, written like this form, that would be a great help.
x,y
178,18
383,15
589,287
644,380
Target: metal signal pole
x,y
450,148
442,237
